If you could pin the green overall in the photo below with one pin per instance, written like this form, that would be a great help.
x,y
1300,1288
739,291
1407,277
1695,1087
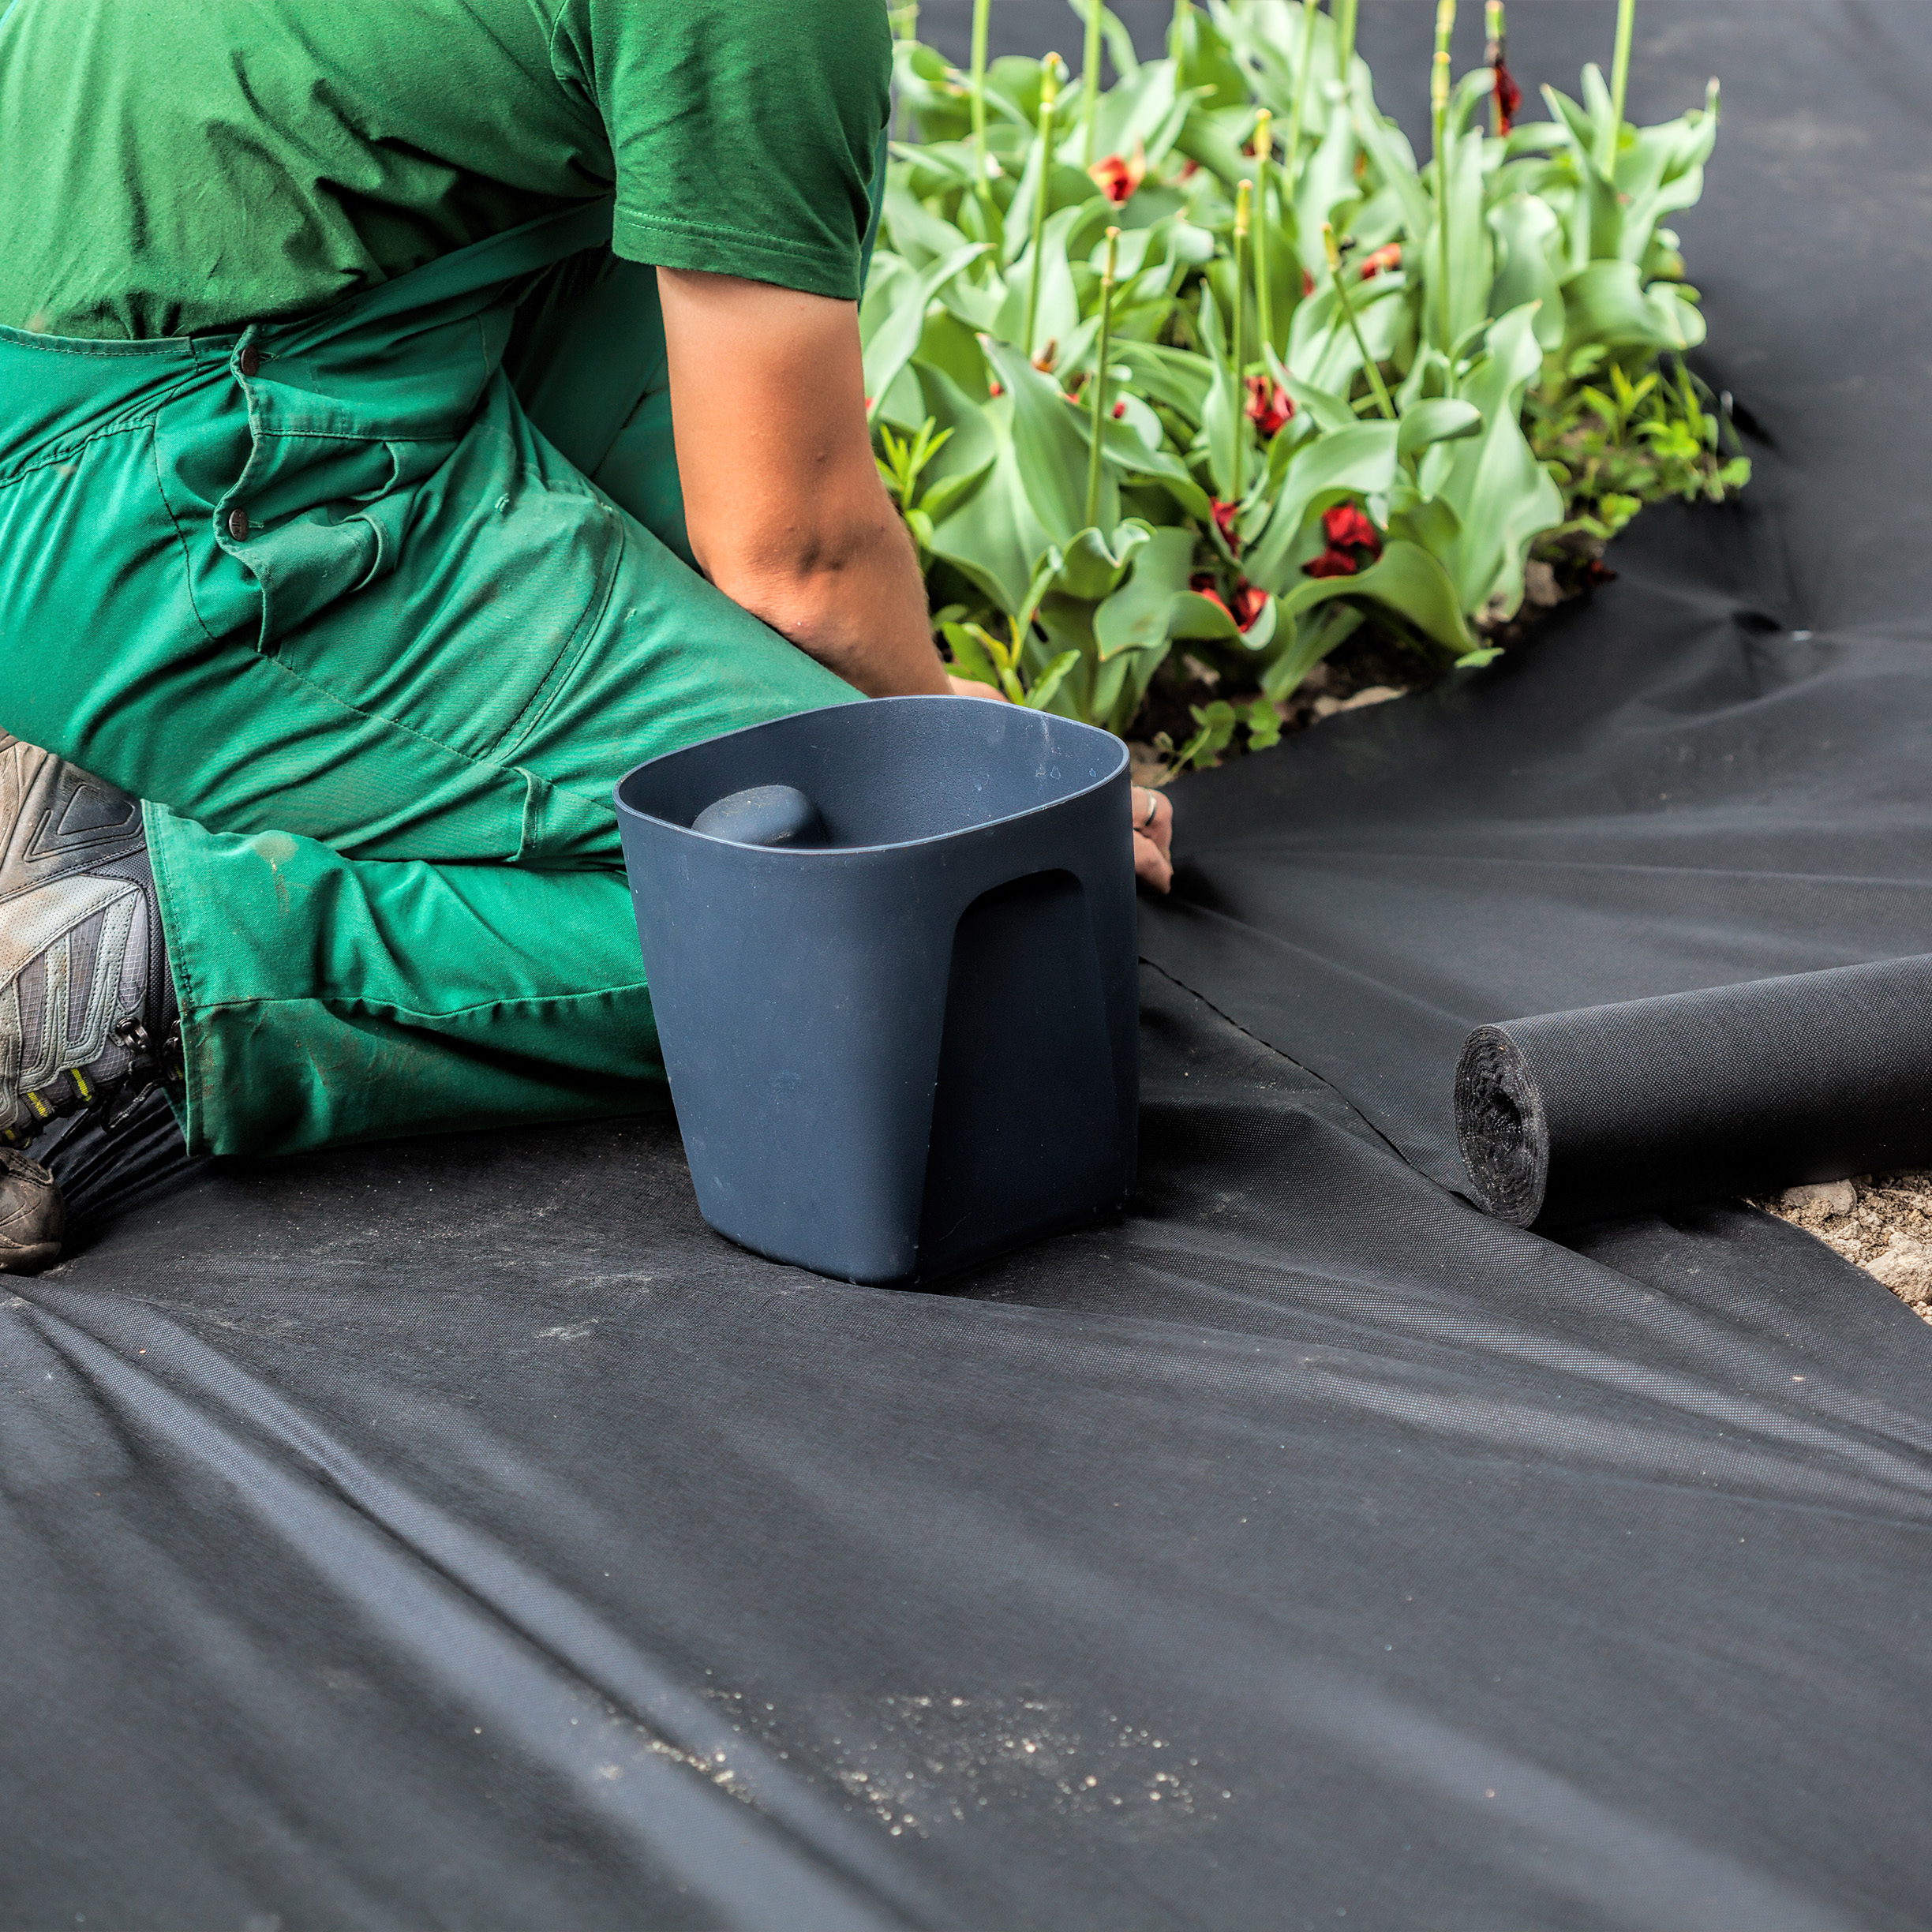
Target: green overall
x,y
374,646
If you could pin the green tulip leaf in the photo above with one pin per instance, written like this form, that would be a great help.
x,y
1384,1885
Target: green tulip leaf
x,y
1260,634
969,655
1525,228
1356,462
898,336
1330,413
1049,449
1394,161
1436,419
1608,303
1048,682
1176,377
1203,60
1059,314
1193,617
1502,497
1091,568
913,230
1135,617
1406,579
992,537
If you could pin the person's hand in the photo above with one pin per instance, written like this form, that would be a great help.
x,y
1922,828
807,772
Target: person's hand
x,y
966,688
1153,837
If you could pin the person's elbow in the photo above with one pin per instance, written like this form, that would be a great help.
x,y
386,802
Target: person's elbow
x,y
787,570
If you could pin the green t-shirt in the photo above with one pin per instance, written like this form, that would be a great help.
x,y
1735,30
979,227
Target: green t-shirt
x,y
168,166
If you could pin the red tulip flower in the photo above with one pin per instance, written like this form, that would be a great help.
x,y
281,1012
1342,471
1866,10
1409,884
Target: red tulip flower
x,y
1388,257
1347,528
1224,516
1269,405
1249,603
1202,584
1117,179
1349,533
1508,96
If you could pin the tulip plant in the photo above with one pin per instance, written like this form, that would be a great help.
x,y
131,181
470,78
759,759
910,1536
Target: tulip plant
x,y
1211,359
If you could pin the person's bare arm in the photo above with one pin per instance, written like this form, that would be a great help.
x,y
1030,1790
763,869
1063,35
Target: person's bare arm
x,y
783,502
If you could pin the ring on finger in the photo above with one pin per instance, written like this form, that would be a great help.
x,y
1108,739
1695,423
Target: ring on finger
x,y
1153,807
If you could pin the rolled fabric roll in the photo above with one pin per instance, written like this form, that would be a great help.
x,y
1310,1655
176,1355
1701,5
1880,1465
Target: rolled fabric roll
x,y
1570,1116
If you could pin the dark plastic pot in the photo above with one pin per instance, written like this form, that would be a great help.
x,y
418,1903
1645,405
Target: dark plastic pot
x,y
915,1043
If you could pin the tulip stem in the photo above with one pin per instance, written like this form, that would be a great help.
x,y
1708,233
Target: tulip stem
x,y
1619,85
1101,414
1049,95
1494,56
1345,39
1291,158
981,9
1348,315
1090,82
1243,203
1265,293
1439,122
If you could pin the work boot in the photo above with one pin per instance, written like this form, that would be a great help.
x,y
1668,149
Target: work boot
x,y
89,1023
33,1218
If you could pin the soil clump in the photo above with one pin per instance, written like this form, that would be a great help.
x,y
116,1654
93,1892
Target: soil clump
x,y
1880,1223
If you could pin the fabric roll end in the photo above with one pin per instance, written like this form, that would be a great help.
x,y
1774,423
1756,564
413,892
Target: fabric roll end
x,y
1501,1129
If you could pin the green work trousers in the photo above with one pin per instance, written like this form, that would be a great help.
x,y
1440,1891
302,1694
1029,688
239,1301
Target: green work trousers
x,y
374,647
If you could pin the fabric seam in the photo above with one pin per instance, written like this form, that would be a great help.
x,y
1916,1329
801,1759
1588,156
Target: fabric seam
x,y
378,717
1269,1047
775,245
160,862
53,458
390,1009
570,654
181,538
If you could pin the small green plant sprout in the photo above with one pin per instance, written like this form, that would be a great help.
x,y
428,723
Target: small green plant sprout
x,y
979,654
1216,723
1685,437
906,458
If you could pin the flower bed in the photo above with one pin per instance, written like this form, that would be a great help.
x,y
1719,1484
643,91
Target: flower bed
x,y
1197,378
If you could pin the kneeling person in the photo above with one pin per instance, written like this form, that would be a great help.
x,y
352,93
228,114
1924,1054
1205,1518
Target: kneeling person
x,y
410,418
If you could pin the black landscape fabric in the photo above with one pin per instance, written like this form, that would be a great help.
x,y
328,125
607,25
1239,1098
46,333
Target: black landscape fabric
x,y
458,1534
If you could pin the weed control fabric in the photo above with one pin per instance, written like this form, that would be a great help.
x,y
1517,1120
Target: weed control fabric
x,y
1572,1116
457,1534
